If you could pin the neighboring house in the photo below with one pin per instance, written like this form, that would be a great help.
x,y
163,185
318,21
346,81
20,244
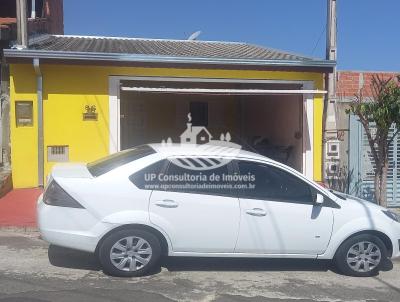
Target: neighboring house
x,y
141,91
352,144
44,16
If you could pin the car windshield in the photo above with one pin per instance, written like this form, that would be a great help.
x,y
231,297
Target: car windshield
x,y
106,164
344,196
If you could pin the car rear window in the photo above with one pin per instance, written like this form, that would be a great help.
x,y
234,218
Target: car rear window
x,y
106,164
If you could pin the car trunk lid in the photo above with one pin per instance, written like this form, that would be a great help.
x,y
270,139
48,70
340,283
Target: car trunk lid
x,y
77,170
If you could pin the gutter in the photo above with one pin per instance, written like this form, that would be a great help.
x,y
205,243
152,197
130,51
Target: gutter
x,y
223,91
39,88
118,57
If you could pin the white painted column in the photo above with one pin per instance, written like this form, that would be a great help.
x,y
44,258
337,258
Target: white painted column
x,y
308,132
114,114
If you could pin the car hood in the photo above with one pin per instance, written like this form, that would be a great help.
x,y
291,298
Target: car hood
x,y
342,197
77,170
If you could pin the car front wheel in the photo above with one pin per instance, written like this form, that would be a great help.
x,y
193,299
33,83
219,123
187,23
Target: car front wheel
x,y
129,253
361,256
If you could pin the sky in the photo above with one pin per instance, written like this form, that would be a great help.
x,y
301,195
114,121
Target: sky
x,y
368,30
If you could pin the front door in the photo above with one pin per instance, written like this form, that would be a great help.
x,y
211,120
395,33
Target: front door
x,y
197,214
132,122
278,214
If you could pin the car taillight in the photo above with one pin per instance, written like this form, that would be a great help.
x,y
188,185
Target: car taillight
x,y
56,196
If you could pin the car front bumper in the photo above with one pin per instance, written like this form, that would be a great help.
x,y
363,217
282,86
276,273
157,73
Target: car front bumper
x,y
396,240
70,227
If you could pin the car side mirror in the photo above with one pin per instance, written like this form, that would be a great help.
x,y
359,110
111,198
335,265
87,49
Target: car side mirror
x,y
319,200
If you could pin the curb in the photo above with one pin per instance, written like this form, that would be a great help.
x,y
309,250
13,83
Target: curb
x,y
6,184
24,229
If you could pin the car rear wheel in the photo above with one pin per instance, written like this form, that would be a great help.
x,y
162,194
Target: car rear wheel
x,y
361,256
130,253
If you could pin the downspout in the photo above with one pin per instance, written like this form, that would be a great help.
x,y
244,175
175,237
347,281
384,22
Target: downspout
x,y
324,128
39,91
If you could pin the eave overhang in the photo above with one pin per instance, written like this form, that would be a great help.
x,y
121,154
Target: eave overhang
x,y
90,58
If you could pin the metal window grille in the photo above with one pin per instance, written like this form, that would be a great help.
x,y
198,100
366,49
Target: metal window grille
x,y
362,165
58,153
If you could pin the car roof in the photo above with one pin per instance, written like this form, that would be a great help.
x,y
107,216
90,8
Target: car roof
x,y
205,150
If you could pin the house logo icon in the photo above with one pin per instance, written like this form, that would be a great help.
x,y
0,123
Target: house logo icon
x,y
202,140
195,134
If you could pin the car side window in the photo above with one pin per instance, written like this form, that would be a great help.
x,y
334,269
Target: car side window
x,y
211,181
148,177
275,184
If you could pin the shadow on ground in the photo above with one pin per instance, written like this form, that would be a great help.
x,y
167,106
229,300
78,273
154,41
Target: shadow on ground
x,y
68,258
244,264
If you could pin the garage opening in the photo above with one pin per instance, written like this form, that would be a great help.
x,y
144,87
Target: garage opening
x,y
268,124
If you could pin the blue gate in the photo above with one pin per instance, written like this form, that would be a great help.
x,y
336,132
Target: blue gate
x,y
362,168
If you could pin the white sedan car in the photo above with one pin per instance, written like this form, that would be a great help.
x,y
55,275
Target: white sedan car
x,y
134,206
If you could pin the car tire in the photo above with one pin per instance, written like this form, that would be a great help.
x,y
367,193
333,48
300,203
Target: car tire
x,y
361,256
130,253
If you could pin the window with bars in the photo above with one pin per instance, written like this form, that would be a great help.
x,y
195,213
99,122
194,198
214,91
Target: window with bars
x,y
58,153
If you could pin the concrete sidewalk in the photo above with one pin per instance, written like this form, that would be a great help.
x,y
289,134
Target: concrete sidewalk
x,y
18,208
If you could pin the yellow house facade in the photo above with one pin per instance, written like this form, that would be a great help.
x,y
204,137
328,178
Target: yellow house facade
x,y
76,99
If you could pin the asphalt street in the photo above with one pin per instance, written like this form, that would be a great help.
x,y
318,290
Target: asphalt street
x,y
30,270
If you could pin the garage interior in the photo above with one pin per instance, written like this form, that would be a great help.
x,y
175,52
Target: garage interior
x,y
268,124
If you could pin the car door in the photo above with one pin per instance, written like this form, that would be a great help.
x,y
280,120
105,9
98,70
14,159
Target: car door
x,y
278,213
196,212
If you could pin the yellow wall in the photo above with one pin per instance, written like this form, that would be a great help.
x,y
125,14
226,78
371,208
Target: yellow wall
x,y
68,88
24,139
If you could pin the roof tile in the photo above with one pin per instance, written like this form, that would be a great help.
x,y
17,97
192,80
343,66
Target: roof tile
x,y
173,48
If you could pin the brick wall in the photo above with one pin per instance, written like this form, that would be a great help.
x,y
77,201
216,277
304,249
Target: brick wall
x,y
349,83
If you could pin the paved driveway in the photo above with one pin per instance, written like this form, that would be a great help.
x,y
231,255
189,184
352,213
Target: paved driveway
x,y
32,271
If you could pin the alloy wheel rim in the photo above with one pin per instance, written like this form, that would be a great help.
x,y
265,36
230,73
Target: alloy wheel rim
x,y
130,253
363,256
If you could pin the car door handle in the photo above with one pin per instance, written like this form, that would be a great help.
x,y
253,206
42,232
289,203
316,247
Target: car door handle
x,y
256,212
167,203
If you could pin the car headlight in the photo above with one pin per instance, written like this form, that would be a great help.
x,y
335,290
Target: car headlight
x,y
392,215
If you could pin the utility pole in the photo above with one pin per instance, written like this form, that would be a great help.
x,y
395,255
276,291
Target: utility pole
x,y
331,44
329,113
22,24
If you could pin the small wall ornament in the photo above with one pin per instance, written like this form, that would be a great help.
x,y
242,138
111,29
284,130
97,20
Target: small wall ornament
x,y
90,114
